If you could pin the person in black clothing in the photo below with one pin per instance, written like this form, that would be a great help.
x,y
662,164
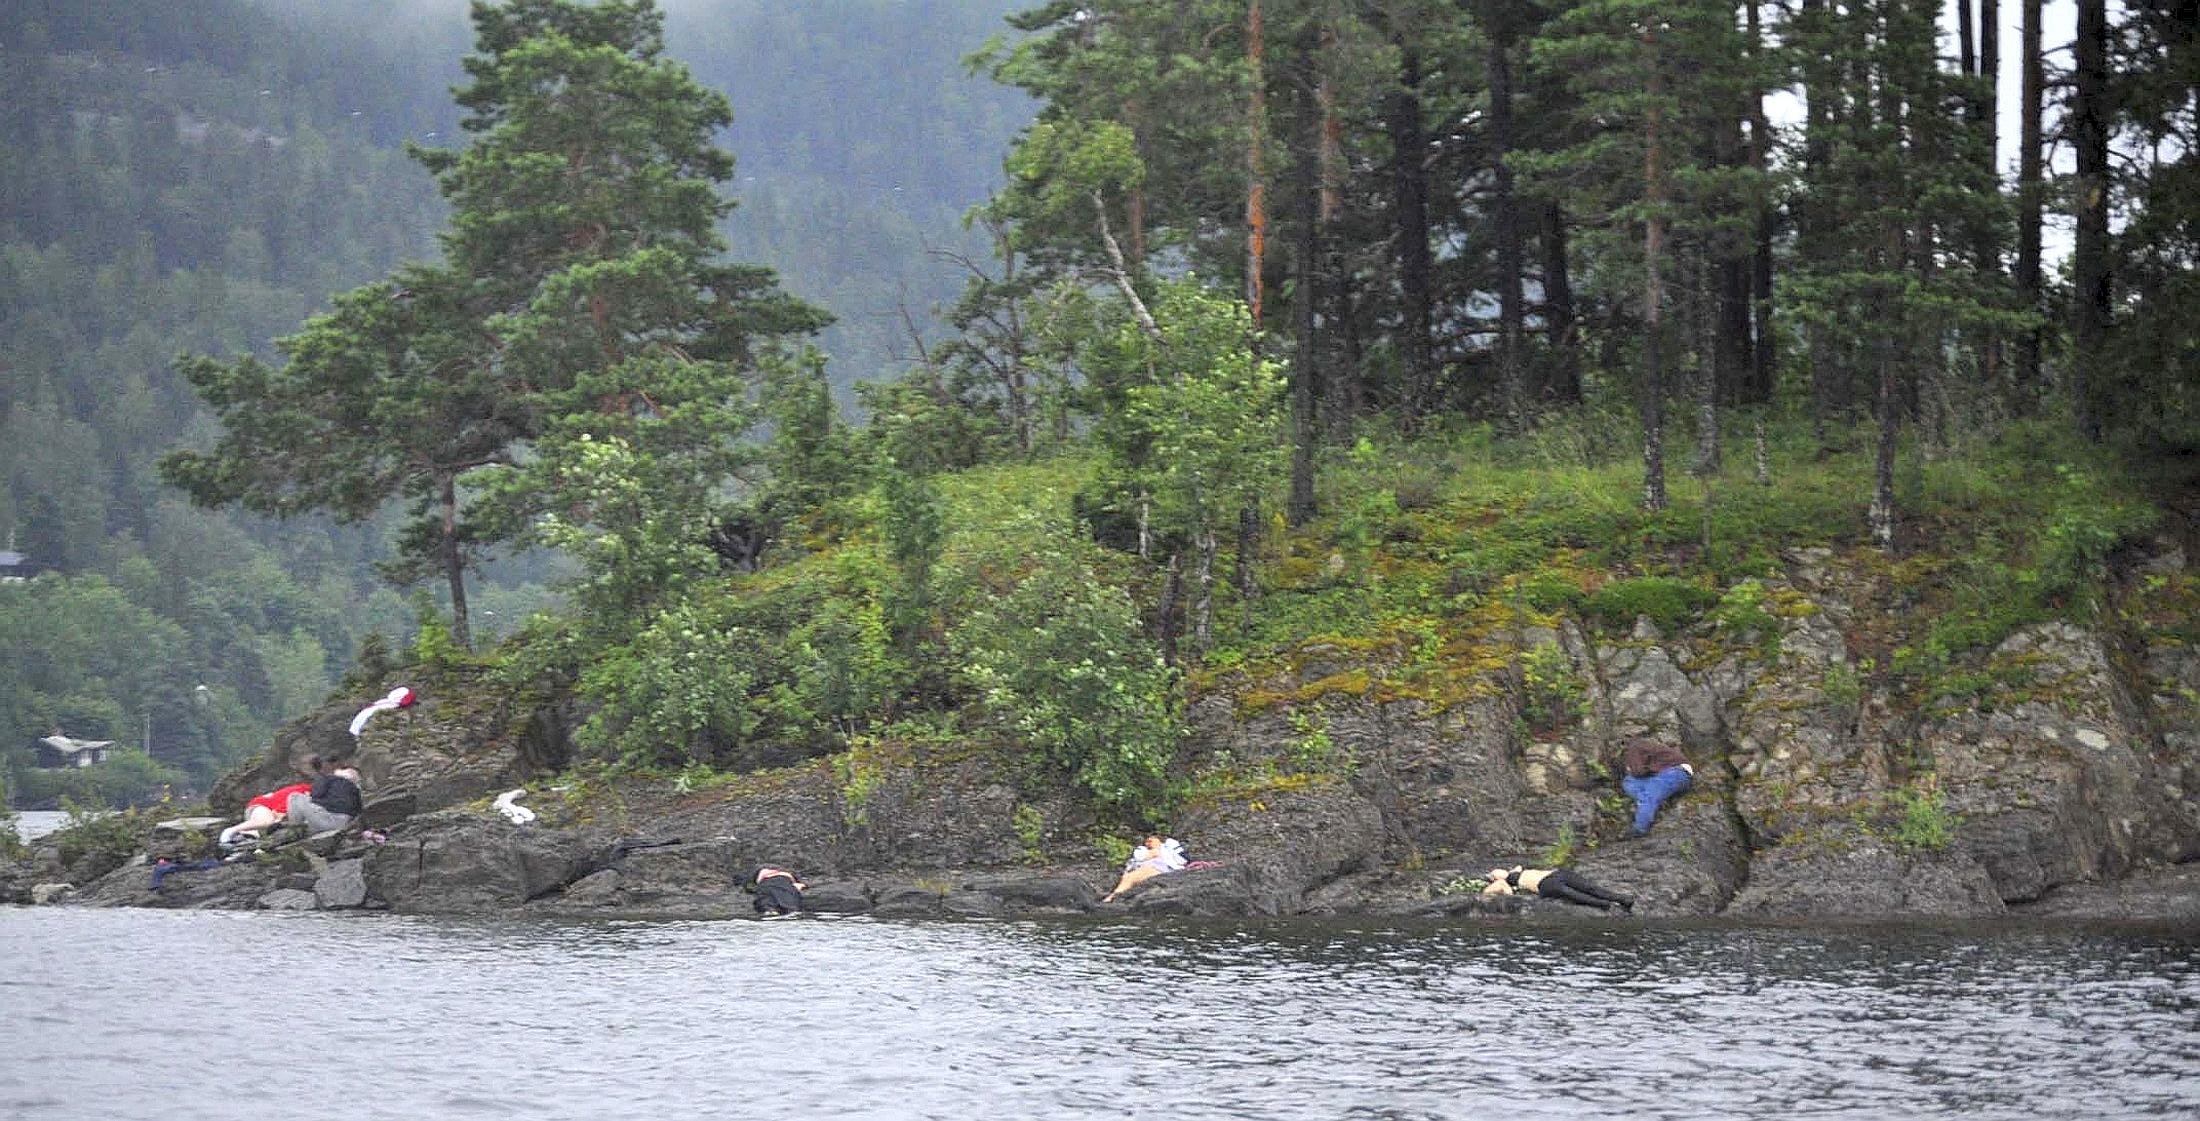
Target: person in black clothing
x,y
777,891
333,802
1555,883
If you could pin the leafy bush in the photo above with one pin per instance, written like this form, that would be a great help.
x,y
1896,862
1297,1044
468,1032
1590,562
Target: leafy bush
x,y
11,841
1563,851
2086,525
1843,689
1549,591
1741,612
1031,830
859,773
1667,602
104,839
1062,659
1551,694
803,663
1114,851
1926,822
1312,749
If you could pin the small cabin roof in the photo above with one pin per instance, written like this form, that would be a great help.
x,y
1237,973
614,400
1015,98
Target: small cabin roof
x,y
67,746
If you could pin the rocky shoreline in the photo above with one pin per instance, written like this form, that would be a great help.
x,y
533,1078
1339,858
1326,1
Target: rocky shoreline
x,y
2062,782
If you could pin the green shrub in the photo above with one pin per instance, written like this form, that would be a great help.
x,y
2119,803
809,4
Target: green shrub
x,y
11,840
2086,525
1063,660
1843,689
1114,851
1551,693
1562,852
1311,747
1031,832
1667,602
106,839
1926,823
859,774
804,661
434,646
1462,885
1741,612
1549,591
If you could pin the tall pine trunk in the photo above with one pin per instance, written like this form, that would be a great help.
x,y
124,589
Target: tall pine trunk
x,y
1764,354
1165,621
1343,391
1881,516
2089,273
1505,219
1306,362
1256,181
1821,78
1653,289
2030,173
1248,539
1986,249
1559,316
454,561
1409,208
1712,360
1203,595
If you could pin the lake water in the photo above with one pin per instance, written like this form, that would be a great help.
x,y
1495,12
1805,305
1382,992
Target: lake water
x,y
152,1014
33,824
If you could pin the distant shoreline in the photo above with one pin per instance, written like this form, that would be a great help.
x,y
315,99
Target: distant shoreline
x,y
33,824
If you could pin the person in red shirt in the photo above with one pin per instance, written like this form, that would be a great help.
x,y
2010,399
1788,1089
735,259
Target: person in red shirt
x,y
264,812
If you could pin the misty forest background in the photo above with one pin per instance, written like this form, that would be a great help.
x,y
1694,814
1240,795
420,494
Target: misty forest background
x,y
1503,261
201,176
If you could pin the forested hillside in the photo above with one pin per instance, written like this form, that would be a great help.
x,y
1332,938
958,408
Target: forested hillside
x,y
1293,326
201,177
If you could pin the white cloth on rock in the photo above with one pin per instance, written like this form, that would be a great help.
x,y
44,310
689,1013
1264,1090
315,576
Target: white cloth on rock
x,y
399,697
516,814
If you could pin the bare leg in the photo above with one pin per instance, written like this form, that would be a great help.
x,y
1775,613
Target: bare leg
x,y
257,819
1131,879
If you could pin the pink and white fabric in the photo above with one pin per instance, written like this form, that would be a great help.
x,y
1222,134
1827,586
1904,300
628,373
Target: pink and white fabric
x,y
399,697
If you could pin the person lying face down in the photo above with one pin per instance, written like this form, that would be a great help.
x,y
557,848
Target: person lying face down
x,y
1555,883
1155,857
265,812
1656,771
777,891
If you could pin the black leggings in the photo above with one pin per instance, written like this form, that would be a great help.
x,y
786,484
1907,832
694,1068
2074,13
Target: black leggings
x,y
778,895
1562,884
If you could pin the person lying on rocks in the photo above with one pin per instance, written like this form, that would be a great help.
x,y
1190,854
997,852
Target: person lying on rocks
x,y
777,891
1157,856
1555,883
1655,772
330,803
263,813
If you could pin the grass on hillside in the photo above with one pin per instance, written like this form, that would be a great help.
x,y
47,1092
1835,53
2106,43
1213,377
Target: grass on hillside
x,y
1432,558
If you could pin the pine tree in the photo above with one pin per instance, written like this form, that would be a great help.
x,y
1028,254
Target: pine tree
x,y
582,306
1652,84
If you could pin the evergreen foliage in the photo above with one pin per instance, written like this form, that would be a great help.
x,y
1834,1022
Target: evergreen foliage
x,y
1453,264
201,177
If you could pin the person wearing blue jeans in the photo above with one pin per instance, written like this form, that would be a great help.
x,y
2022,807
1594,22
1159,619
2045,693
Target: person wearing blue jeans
x,y
1655,772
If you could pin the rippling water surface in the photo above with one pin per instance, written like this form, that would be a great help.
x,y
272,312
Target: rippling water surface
x,y
149,1014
